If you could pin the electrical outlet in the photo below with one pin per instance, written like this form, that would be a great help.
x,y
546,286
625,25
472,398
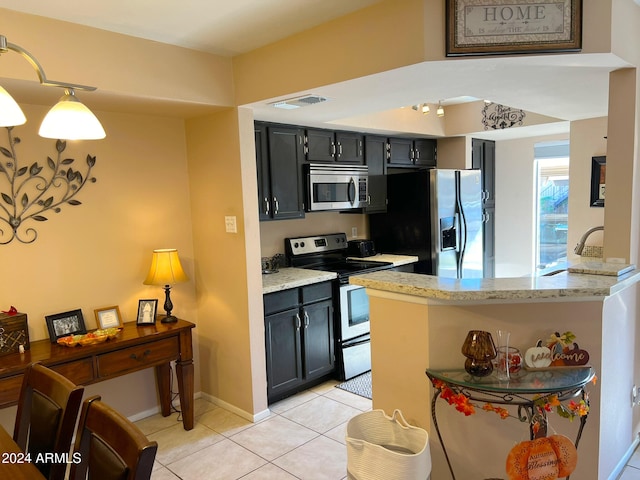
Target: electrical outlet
x,y
230,224
354,232
634,395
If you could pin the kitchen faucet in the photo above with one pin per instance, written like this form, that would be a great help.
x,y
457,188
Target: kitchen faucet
x,y
580,245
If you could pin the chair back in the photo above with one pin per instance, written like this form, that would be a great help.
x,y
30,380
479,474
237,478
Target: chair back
x,y
109,446
48,408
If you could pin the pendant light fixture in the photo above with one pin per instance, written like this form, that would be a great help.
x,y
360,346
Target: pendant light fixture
x,y
425,108
440,109
69,119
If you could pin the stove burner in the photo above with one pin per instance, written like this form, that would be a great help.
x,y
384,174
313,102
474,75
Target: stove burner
x,y
328,253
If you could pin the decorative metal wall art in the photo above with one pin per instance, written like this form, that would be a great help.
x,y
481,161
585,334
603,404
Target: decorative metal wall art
x,y
497,117
29,191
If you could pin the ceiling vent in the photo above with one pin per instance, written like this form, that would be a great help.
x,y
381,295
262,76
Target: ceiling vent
x,y
298,102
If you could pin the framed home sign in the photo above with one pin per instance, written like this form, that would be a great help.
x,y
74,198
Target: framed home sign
x,y
487,27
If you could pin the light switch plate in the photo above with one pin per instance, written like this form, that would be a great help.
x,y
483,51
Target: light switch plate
x,y
230,224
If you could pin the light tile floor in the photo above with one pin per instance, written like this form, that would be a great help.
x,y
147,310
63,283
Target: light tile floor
x,y
303,438
632,470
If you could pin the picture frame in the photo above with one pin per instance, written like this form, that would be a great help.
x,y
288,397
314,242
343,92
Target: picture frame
x,y
64,324
147,309
494,27
108,317
598,176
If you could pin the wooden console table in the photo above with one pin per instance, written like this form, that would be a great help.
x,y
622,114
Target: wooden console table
x,y
521,392
134,348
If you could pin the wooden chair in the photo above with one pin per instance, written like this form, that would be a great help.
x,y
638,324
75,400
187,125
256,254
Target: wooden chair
x,y
48,408
109,446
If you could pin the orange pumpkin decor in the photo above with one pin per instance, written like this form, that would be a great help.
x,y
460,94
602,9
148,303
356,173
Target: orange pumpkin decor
x,y
546,458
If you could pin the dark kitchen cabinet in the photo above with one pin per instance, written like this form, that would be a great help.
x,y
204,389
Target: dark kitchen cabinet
x,y
406,152
334,146
483,158
375,154
279,149
299,339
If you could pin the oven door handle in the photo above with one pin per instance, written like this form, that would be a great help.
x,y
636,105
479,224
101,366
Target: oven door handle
x,y
355,342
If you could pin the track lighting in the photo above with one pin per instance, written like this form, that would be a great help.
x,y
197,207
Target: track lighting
x,y
440,109
425,108
69,119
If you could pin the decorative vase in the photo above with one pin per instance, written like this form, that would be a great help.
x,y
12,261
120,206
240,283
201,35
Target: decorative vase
x,y
479,349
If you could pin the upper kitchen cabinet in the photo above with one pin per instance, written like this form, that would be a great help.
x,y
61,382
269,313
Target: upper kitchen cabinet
x,y
334,146
279,149
407,152
375,154
483,158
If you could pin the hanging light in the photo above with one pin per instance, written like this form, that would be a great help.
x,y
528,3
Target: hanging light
x,y
69,119
425,108
10,112
440,110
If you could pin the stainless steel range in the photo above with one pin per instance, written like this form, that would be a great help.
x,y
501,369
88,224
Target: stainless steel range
x,y
329,253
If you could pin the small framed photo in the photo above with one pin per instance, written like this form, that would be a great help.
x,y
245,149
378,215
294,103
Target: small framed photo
x,y
66,323
108,317
147,311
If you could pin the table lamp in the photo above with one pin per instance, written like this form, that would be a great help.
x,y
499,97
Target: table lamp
x,y
166,270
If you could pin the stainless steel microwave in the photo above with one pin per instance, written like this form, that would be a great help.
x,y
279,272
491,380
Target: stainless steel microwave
x,y
336,187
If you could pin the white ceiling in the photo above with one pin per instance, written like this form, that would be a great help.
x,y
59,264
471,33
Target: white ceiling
x,y
567,86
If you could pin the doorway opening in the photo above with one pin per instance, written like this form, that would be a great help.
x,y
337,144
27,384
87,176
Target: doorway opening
x,y
552,204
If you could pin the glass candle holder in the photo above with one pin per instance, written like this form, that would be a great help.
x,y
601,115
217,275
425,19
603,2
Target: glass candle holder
x,y
479,349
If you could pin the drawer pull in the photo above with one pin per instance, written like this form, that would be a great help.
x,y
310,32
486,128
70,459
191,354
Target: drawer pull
x,y
144,354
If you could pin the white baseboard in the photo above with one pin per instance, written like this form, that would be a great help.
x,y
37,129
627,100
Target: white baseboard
x,y
210,398
233,409
625,459
152,411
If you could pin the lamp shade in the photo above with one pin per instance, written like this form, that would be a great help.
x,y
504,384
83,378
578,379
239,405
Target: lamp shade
x,y
70,119
166,268
10,113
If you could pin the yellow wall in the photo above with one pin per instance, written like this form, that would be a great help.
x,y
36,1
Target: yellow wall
x,y
384,36
97,254
222,175
587,140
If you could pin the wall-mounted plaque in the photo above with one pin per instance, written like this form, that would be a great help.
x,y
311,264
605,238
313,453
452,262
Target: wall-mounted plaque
x,y
484,27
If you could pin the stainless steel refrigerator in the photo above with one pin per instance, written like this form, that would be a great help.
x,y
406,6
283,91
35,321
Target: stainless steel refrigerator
x,y
436,215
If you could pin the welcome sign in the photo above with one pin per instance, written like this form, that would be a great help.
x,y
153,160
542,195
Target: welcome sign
x,y
482,27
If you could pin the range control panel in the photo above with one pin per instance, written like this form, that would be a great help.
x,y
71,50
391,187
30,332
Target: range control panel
x,y
315,244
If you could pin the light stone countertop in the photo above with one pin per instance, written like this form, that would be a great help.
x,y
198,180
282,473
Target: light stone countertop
x,y
397,260
287,278
565,286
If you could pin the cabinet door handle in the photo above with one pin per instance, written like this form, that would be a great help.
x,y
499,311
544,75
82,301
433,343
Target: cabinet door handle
x,y
306,320
417,154
298,322
368,199
266,205
276,206
339,149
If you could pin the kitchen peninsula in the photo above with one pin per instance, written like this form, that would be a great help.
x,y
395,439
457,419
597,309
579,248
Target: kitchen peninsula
x,y
420,322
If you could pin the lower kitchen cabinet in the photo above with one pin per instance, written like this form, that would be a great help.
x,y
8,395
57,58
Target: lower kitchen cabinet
x,y
299,339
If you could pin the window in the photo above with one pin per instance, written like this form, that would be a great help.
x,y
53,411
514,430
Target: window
x,y
552,200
